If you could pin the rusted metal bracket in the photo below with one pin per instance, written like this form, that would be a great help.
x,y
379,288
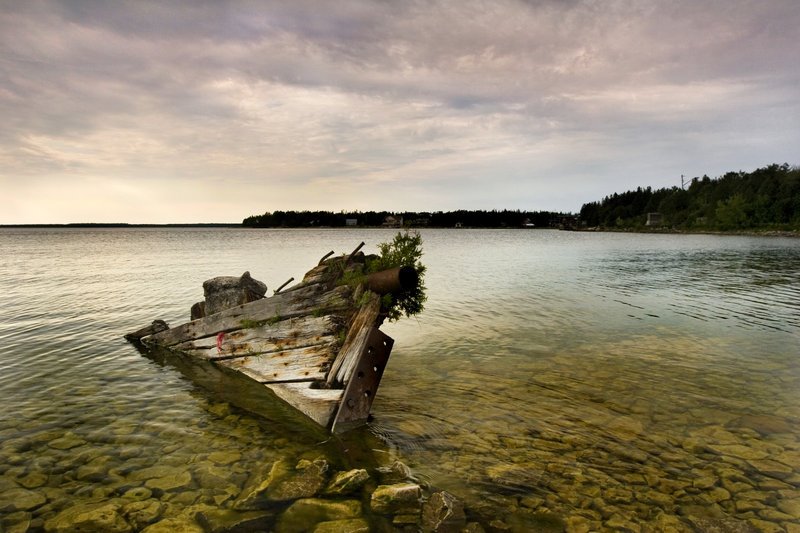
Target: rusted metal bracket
x,y
360,390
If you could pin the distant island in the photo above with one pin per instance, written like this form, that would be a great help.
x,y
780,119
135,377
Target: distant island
x,y
767,199
438,219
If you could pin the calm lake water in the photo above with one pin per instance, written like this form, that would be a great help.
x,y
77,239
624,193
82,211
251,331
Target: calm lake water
x,y
614,381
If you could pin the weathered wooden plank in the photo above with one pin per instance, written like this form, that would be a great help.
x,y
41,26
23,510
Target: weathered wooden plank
x,y
299,364
257,348
307,301
290,333
355,341
317,404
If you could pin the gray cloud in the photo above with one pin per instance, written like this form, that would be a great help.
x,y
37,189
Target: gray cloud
x,y
540,105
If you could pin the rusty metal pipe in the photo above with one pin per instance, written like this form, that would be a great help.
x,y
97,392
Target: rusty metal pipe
x,y
393,280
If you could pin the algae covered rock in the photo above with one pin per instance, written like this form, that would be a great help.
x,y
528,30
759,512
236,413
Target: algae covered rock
x,y
230,521
283,483
305,481
19,499
400,498
171,482
394,473
142,513
175,525
443,513
348,482
253,495
305,514
106,516
353,525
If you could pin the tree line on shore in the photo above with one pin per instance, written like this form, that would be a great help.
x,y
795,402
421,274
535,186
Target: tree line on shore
x,y
766,198
438,219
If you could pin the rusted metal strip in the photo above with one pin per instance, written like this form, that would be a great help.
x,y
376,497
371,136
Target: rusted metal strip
x,y
364,381
282,286
354,252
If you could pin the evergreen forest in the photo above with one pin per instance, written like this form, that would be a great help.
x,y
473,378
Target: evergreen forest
x,y
765,199
439,219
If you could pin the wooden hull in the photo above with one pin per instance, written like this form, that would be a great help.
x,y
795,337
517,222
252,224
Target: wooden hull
x,y
316,346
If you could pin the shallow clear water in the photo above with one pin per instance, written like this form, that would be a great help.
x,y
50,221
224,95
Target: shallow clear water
x,y
616,381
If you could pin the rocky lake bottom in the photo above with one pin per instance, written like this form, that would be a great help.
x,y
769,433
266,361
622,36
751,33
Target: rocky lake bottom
x,y
556,382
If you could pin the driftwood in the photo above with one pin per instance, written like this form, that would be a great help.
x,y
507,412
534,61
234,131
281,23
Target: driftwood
x,y
315,345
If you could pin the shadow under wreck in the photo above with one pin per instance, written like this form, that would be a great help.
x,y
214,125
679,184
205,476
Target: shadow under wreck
x,y
316,345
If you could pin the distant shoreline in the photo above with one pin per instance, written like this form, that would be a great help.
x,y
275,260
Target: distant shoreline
x,y
739,233
84,225
664,231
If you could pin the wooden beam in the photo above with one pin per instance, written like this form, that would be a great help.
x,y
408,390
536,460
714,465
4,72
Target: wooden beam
x,y
287,334
299,364
355,341
307,301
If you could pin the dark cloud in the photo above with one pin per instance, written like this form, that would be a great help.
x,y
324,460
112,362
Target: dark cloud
x,y
288,96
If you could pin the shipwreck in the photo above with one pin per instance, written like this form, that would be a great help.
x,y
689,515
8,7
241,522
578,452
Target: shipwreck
x,y
316,345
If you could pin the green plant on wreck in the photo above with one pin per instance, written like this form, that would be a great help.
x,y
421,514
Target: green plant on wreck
x,y
341,336
404,250
352,277
246,323
274,319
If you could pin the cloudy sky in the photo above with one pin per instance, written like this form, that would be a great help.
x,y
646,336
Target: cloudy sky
x,y
211,111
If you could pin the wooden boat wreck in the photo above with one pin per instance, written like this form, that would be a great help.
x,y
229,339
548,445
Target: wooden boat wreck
x,y
316,345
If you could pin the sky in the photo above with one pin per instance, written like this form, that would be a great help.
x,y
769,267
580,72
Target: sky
x,y
212,111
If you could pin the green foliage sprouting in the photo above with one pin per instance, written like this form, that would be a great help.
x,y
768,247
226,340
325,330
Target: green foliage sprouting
x,y
767,198
404,250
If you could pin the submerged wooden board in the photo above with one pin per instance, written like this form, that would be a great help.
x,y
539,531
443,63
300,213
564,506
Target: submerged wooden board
x,y
310,363
318,404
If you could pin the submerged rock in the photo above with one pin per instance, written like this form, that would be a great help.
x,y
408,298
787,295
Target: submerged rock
x,y
353,525
394,473
20,499
347,482
175,525
253,494
171,482
283,483
722,525
140,514
106,517
443,513
304,514
305,481
19,522
401,498
229,521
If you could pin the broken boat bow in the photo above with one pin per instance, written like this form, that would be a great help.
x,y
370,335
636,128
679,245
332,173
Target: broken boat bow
x,y
316,345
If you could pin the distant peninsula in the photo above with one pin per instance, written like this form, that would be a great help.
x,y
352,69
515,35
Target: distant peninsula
x,y
764,200
438,219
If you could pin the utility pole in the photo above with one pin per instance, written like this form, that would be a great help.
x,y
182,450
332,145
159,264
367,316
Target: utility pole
x,y
683,183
